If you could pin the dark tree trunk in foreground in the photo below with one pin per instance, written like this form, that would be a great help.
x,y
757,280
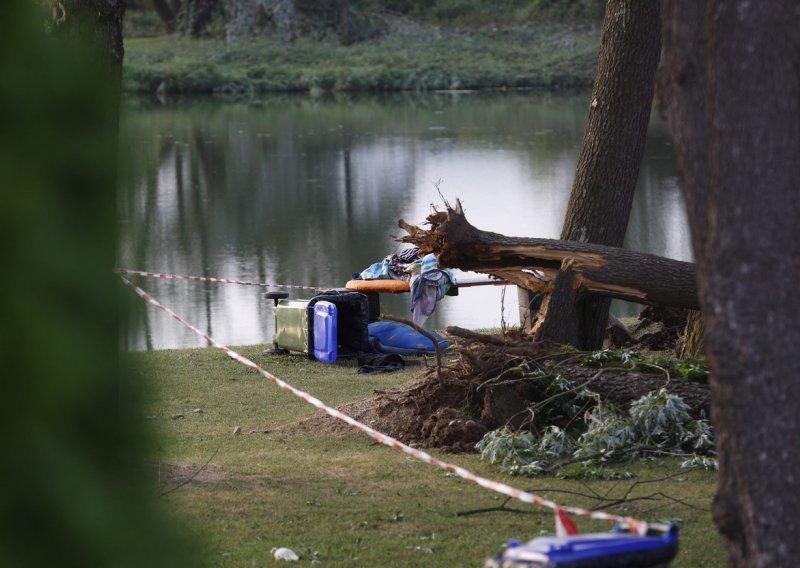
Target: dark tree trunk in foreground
x,y
731,96
97,23
608,165
540,264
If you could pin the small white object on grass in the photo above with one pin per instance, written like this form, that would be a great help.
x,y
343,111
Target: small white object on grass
x,y
285,554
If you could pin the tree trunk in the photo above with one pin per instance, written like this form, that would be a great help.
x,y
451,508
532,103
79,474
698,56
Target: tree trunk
x,y
292,19
608,165
731,96
167,13
542,264
691,344
344,23
97,23
195,16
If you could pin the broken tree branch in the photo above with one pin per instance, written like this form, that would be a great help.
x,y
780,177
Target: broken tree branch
x,y
425,333
534,263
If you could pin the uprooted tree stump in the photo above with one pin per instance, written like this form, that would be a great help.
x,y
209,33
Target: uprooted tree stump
x,y
544,264
492,381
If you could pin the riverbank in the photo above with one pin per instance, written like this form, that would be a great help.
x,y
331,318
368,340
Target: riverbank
x,y
546,56
239,462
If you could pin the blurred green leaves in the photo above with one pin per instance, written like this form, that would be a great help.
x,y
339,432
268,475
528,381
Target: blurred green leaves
x,y
69,495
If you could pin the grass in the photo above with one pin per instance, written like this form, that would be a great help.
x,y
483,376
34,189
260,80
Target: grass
x,y
547,56
338,497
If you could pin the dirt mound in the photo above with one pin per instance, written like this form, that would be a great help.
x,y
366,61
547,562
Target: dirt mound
x,y
420,413
493,381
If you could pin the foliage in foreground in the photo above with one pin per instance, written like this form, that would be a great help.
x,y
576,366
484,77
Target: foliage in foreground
x,y
658,424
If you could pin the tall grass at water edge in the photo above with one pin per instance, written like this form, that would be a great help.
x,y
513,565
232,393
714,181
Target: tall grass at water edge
x,y
549,56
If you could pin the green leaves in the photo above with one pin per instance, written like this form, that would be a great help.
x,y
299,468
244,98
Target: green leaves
x,y
689,370
659,423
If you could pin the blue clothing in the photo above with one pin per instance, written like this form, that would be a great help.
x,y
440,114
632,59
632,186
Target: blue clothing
x,y
428,287
392,267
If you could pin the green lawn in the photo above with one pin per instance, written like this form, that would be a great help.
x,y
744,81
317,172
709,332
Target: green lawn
x,y
339,498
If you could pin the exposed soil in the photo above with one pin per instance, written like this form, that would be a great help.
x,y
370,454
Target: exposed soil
x,y
486,384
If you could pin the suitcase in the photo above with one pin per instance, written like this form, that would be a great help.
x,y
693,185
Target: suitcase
x,y
330,326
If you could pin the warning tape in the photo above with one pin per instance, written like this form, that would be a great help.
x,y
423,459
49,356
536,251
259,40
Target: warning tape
x,y
164,276
635,525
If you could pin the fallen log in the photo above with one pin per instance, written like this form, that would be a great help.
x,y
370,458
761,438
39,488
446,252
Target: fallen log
x,y
535,264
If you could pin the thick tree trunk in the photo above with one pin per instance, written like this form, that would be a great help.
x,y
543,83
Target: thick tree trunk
x,y
97,23
608,165
619,113
542,264
731,93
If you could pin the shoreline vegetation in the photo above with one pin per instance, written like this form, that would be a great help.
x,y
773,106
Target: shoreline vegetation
x,y
550,56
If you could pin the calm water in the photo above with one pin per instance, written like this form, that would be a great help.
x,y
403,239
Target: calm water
x,y
307,191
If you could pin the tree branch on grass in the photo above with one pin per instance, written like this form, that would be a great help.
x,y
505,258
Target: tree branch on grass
x,y
602,501
425,333
190,478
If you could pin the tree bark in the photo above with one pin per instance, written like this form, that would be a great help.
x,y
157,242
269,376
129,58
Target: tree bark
x,y
292,19
731,96
196,15
691,344
97,23
608,165
542,264
167,13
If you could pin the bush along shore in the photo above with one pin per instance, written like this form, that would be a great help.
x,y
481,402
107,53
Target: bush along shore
x,y
547,56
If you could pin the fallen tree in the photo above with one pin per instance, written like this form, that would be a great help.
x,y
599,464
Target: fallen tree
x,y
542,265
490,382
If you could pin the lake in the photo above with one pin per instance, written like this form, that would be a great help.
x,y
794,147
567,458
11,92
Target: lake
x,y
306,191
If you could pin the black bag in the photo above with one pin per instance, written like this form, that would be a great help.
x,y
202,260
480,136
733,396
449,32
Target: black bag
x,y
369,363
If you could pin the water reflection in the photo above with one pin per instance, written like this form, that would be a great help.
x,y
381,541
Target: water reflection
x,y
308,191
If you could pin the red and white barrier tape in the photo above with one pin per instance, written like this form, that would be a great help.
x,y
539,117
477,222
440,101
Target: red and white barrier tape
x,y
164,276
634,524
